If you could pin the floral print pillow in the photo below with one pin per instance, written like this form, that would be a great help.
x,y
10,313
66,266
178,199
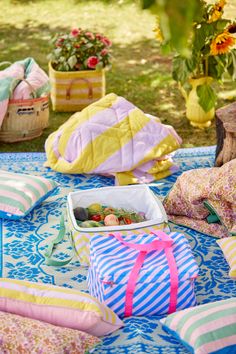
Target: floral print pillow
x,y
201,192
22,335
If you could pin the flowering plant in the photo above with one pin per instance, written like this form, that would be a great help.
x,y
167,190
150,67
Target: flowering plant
x,y
80,50
210,53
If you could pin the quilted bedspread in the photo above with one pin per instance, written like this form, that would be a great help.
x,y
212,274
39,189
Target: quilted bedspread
x,y
23,244
113,137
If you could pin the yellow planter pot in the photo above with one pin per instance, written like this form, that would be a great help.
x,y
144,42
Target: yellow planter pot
x,y
74,90
194,112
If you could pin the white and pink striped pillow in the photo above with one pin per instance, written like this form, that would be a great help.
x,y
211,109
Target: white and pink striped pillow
x,y
20,193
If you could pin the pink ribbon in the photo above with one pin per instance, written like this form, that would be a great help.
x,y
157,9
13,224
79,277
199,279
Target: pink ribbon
x,y
164,244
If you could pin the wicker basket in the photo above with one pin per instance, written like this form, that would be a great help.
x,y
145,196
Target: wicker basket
x,y
74,90
25,119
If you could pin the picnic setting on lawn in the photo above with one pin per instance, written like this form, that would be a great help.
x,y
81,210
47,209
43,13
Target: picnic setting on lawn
x,y
117,176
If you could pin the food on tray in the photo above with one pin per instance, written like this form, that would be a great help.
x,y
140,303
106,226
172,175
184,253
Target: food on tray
x,y
94,208
111,220
97,215
81,213
90,223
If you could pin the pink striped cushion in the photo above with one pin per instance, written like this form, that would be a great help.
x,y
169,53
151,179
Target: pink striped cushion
x,y
57,305
20,193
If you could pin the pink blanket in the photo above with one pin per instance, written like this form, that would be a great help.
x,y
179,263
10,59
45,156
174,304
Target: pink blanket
x,y
12,86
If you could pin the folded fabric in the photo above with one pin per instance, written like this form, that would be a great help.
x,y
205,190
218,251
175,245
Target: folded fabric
x,y
14,86
113,137
21,193
205,200
57,305
228,246
205,329
24,335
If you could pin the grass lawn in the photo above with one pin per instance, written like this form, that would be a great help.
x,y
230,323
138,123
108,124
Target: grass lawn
x,y
139,72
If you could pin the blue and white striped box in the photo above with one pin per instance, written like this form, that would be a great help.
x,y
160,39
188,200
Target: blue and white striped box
x,y
111,263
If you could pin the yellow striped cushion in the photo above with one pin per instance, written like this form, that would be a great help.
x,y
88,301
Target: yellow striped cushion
x,y
228,246
57,305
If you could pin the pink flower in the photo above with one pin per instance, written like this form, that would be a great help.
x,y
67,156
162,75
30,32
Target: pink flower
x,y
90,35
59,42
92,62
99,36
74,32
104,52
106,41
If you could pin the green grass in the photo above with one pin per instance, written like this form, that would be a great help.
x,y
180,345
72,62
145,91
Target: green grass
x,y
139,72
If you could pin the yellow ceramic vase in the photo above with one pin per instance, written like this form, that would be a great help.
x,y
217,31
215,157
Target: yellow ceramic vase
x,y
194,112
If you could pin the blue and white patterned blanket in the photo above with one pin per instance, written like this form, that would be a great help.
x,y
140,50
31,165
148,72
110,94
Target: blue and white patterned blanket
x,y
23,244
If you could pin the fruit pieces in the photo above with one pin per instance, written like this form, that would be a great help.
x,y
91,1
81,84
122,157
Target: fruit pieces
x,y
111,220
90,223
127,221
81,214
96,217
103,215
94,208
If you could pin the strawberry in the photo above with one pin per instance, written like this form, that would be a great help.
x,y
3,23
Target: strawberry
x,y
128,221
96,217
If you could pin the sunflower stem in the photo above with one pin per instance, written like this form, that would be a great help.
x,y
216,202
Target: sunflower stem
x,y
206,66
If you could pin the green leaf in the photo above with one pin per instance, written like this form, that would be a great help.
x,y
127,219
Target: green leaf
x,y
72,61
180,15
215,67
232,66
57,52
180,69
221,24
146,4
201,33
165,48
99,66
207,97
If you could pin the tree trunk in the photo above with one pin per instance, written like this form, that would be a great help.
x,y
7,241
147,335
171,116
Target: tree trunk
x,y
226,134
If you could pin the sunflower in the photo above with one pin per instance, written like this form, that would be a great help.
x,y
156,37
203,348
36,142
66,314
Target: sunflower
x,y
158,34
222,43
216,11
232,28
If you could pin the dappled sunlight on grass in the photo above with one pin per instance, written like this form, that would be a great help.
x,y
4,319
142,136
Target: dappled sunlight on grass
x,y
139,71
114,18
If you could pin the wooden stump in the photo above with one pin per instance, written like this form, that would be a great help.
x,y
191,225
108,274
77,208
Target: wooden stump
x,y
226,134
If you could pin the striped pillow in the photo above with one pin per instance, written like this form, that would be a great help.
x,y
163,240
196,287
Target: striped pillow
x,y
57,305
228,246
209,328
20,193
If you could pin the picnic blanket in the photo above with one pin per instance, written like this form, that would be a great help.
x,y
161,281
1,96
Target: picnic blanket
x,y
19,80
23,244
113,137
205,199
